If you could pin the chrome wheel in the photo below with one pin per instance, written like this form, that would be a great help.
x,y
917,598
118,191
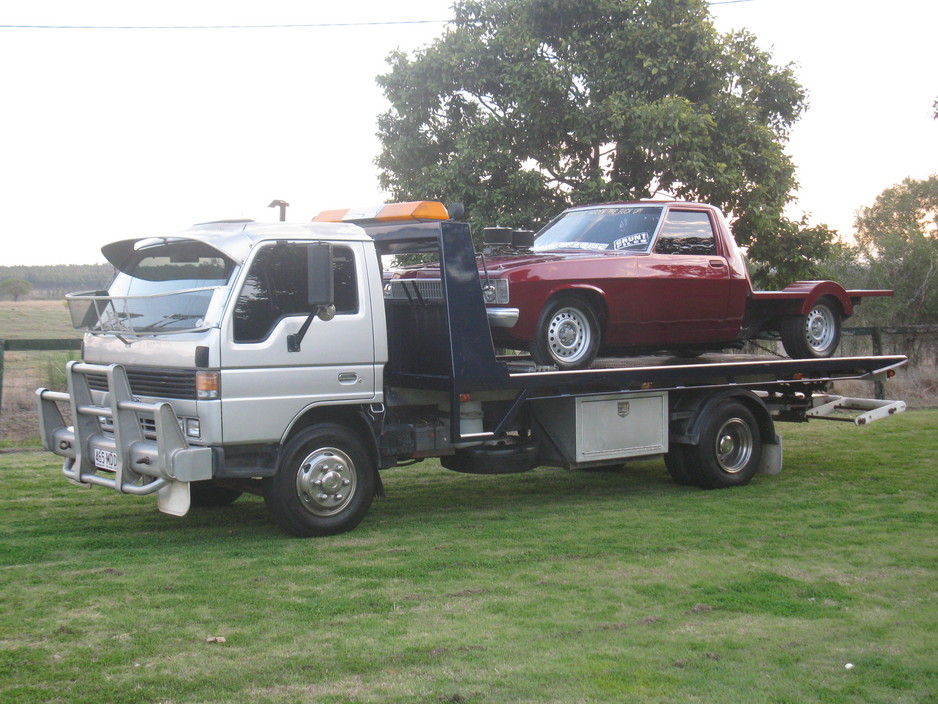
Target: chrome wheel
x,y
326,481
730,446
734,445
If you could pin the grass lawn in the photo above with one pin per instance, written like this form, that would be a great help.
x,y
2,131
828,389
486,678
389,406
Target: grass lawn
x,y
24,371
550,586
35,319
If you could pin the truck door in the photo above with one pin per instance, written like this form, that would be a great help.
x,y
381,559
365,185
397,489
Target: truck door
x,y
685,280
264,385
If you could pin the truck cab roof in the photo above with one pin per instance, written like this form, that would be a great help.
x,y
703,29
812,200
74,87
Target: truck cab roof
x,y
236,238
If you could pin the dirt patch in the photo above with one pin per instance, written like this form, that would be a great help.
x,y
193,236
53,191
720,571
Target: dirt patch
x,y
917,386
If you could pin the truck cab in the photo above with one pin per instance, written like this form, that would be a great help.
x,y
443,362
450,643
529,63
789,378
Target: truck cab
x,y
215,307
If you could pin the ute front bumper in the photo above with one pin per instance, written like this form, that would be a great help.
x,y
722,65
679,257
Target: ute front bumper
x,y
123,444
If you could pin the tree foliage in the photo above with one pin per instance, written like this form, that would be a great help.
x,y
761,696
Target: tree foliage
x,y
53,280
15,288
897,248
524,107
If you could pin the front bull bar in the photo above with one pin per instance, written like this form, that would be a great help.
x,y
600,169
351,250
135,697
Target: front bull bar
x,y
132,462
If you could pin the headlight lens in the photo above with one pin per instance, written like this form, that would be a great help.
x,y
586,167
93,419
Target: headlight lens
x,y
206,385
193,429
495,291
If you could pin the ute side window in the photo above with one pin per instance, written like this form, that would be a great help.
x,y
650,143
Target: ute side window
x,y
275,288
686,232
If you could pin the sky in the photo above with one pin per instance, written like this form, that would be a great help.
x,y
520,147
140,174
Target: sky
x,y
107,134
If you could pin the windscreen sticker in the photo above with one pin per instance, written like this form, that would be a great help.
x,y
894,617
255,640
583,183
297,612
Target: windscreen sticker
x,y
639,239
573,245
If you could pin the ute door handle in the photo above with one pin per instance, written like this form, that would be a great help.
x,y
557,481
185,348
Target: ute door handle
x,y
717,263
348,378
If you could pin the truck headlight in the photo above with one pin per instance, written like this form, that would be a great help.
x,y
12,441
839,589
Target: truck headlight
x,y
193,429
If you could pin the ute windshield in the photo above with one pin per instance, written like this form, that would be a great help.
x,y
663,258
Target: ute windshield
x,y
165,287
616,228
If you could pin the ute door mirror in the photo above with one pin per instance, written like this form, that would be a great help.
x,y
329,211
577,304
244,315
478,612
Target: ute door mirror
x,y
319,290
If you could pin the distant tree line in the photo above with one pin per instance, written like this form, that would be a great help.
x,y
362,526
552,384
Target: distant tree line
x,y
54,280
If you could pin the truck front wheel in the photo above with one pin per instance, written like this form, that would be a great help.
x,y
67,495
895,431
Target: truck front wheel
x,y
324,484
813,335
729,448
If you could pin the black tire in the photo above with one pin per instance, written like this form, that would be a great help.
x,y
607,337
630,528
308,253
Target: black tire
x,y
681,472
567,334
729,449
815,335
324,484
209,494
507,458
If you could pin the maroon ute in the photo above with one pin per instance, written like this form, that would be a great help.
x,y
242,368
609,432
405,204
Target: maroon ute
x,y
624,278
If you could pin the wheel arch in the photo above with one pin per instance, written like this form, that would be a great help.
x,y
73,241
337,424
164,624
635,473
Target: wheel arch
x,y
695,408
815,291
354,417
593,295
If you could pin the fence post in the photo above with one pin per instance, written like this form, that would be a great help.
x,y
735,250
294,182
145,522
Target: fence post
x,y
878,385
3,344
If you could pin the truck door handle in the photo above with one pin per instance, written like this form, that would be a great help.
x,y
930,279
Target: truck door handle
x,y
348,378
717,263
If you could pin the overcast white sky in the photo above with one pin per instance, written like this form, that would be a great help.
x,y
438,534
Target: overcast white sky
x,y
109,133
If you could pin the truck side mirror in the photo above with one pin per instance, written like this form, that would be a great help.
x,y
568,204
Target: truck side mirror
x,y
319,290
319,275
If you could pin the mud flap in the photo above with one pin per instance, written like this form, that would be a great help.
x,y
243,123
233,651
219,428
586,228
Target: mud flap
x,y
771,460
174,498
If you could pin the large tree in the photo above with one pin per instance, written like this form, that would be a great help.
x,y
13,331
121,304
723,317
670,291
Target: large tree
x,y
897,248
524,107
14,288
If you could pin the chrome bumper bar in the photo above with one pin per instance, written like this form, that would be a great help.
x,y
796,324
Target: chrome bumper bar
x,y
124,459
502,317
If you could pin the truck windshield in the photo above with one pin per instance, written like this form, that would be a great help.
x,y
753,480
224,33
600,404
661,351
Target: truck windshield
x,y
614,228
166,287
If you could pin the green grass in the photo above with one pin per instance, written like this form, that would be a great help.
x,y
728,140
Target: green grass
x,y
24,371
35,319
550,586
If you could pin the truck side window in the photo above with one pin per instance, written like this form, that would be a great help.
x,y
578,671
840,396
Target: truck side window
x,y
686,232
275,288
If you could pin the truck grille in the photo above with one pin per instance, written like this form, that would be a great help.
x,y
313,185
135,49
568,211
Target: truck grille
x,y
161,383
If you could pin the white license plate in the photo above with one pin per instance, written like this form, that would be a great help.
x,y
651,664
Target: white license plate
x,y
105,459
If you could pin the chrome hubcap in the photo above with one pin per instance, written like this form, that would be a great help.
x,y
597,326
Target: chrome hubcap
x,y
568,335
326,481
819,328
734,445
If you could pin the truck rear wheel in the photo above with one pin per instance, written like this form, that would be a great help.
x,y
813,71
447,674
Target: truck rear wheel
x,y
324,484
813,335
729,448
676,462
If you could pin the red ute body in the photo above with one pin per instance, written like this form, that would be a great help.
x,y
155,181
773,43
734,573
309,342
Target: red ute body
x,y
656,275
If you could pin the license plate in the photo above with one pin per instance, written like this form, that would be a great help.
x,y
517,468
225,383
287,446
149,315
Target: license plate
x,y
105,459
